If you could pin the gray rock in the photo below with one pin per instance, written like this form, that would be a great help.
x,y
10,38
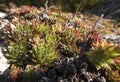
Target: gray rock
x,y
3,63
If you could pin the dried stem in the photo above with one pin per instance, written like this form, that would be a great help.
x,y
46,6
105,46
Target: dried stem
x,y
80,6
46,5
97,22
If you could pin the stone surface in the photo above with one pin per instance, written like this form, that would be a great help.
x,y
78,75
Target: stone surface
x,y
3,62
3,23
112,38
2,15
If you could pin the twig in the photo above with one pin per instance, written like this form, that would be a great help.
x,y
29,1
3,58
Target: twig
x,y
46,5
97,22
79,7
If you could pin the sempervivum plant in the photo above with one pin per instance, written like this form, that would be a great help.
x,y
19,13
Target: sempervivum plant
x,y
105,56
46,52
94,38
15,73
69,40
30,45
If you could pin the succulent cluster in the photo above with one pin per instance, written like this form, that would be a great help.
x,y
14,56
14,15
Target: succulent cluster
x,y
106,56
41,43
40,36
94,38
70,38
28,45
